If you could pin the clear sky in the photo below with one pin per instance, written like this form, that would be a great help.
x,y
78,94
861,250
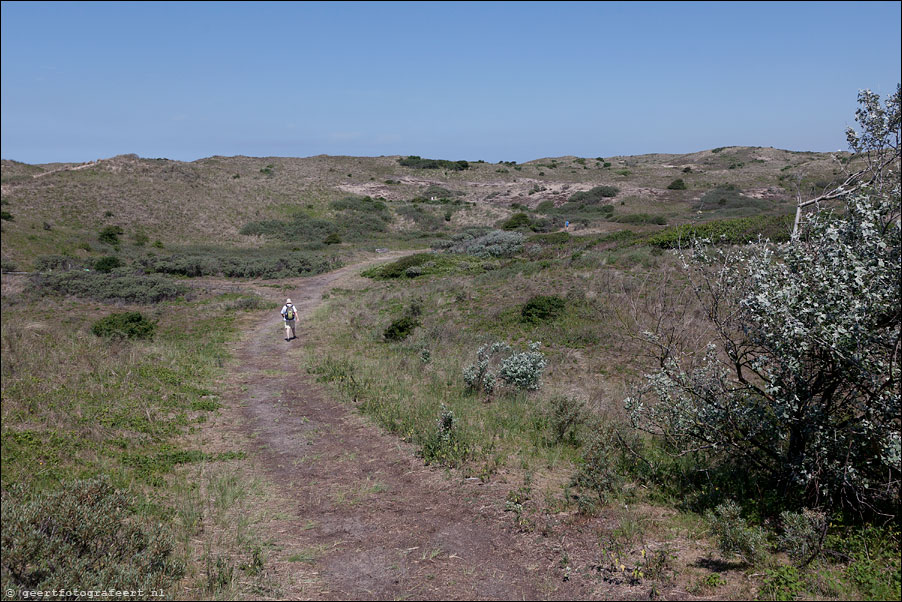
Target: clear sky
x,y
492,81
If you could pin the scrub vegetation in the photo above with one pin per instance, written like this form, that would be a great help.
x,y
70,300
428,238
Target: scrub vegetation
x,y
634,351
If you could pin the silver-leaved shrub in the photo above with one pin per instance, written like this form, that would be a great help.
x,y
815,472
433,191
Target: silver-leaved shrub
x,y
801,386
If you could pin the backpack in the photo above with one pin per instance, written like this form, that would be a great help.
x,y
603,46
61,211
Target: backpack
x,y
289,313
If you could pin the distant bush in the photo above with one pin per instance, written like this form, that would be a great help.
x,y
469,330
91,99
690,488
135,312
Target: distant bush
x,y
545,206
6,216
110,235
542,308
49,263
420,163
114,286
524,370
398,268
516,221
424,218
594,195
354,203
677,184
8,265
83,536
400,329
729,196
128,325
566,414
498,361
740,230
265,263
107,264
641,218
495,243
332,239
439,192
301,228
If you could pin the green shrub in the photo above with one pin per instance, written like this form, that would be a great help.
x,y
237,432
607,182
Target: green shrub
x,y
782,583
495,243
677,184
420,163
566,414
128,325
444,445
49,263
110,235
107,264
115,286
734,535
594,195
8,265
401,328
7,216
641,218
802,535
542,308
83,536
398,268
332,239
597,478
740,230
545,206
355,203
729,196
516,221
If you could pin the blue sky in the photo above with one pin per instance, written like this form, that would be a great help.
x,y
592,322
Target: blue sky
x,y
492,81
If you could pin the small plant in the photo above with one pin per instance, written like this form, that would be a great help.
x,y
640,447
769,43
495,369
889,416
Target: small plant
x,y
542,308
444,445
110,235
597,477
566,415
107,264
803,534
734,536
128,325
400,329
677,184
524,370
783,583
516,221
332,239
594,195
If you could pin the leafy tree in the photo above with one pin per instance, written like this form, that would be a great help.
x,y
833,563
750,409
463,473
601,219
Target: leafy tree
x,y
802,383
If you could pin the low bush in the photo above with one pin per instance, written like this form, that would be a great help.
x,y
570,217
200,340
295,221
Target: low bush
x,y
128,325
641,218
398,268
594,195
517,221
401,328
597,477
83,536
677,184
49,263
740,230
420,163
263,263
730,197
734,536
518,370
107,264
110,235
542,308
114,286
496,243
355,203
566,414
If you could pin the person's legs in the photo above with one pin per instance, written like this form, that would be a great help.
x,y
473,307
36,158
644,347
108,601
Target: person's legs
x,y
289,330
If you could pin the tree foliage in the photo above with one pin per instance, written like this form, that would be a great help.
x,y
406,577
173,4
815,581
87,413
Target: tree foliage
x,y
802,382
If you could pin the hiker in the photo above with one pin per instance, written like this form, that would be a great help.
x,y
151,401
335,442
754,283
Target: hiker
x,y
289,314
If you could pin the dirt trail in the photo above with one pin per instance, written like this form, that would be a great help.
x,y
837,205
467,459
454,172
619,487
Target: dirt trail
x,y
382,525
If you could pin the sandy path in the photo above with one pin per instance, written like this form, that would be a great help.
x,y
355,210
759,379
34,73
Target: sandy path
x,y
383,525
